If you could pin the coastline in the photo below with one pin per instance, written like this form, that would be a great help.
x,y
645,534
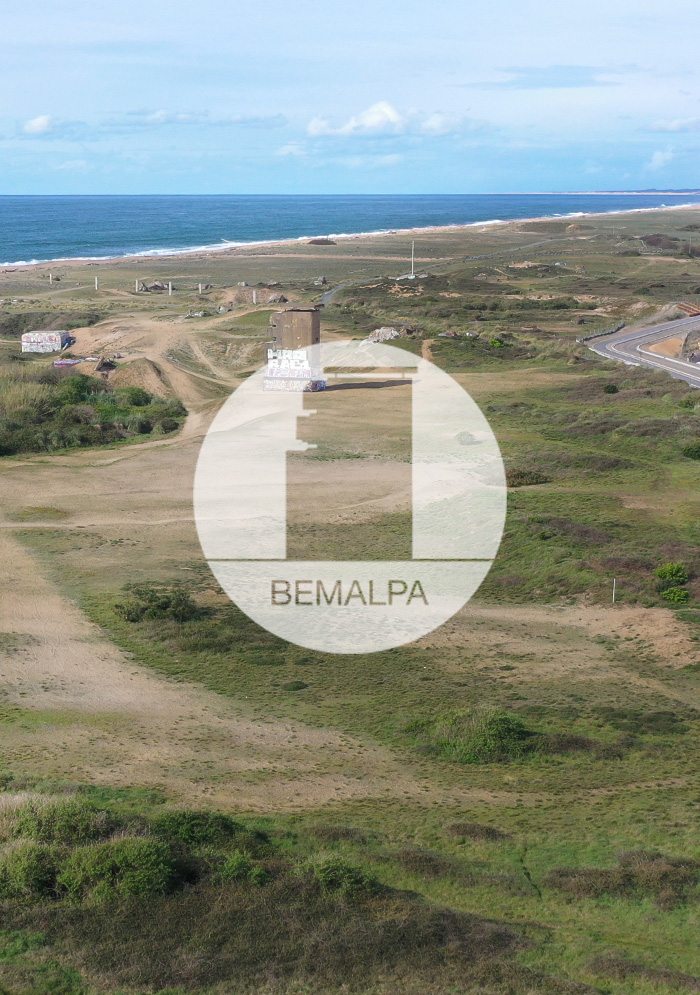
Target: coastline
x,y
241,248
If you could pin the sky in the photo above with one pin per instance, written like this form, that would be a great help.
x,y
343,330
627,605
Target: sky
x,y
361,96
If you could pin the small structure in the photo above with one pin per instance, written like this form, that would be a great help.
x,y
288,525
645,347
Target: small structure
x,y
292,363
296,328
52,341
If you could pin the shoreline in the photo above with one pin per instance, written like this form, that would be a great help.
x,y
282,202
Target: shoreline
x,y
240,247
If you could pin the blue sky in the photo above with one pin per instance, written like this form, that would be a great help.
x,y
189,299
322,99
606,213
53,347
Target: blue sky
x,y
354,97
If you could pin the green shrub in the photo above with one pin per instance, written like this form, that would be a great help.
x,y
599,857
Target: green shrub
x,y
672,574
194,829
133,397
239,867
128,866
611,388
337,875
692,451
29,869
676,595
477,736
76,389
525,478
190,830
154,601
68,821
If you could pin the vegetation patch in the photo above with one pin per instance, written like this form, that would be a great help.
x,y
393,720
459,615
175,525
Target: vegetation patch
x,y
475,831
41,411
668,881
155,601
491,735
623,969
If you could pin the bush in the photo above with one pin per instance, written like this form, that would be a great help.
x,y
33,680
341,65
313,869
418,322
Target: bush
x,y
168,424
478,736
151,601
669,881
692,451
676,595
129,866
133,397
611,388
525,478
191,829
68,822
672,574
29,869
337,875
239,867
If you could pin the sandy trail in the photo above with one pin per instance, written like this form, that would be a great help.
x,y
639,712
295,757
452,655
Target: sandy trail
x,y
101,717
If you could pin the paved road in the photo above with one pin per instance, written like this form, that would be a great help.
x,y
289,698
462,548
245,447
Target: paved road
x,y
631,346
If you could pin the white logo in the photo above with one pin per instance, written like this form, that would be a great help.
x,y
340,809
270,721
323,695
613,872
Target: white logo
x,y
349,606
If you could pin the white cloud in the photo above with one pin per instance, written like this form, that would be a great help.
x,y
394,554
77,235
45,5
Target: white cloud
x,y
73,164
438,124
379,119
37,125
659,160
365,161
291,150
157,118
681,124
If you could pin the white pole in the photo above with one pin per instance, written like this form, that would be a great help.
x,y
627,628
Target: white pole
x,y
50,277
614,586
136,286
413,254
200,288
97,283
255,297
170,288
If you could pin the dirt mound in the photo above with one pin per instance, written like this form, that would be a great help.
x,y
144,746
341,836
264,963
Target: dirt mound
x,y
143,373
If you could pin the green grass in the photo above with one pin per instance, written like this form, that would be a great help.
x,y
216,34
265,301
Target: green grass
x,y
529,842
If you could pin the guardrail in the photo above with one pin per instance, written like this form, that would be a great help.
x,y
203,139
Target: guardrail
x,y
597,335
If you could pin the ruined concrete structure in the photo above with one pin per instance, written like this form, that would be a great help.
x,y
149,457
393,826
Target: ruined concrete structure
x,y
52,341
296,328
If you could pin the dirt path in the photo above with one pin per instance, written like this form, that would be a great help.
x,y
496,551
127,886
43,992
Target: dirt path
x,y
99,717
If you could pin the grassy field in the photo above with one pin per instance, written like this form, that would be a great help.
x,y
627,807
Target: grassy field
x,y
508,805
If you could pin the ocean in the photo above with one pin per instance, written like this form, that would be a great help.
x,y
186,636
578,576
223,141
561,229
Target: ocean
x,y
39,229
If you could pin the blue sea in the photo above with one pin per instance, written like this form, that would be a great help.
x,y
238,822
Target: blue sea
x,y
39,229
